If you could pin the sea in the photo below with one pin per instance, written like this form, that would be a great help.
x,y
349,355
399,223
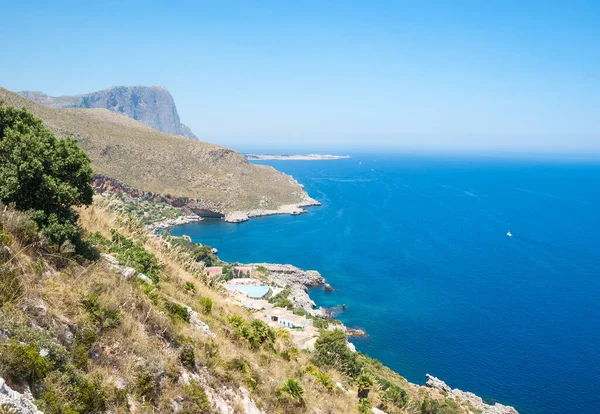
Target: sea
x,y
416,247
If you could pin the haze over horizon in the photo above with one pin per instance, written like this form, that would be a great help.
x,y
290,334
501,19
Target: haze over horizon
x,y
339,75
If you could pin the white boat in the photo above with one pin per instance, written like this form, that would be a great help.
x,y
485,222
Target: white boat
x,y
509,234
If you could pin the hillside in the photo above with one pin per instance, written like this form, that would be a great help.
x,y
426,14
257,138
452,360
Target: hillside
x,y
151,105
98,336
220,179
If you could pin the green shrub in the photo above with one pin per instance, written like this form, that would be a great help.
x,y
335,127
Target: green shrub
x,y
189,287
188,357
195,399
23,362
331,350
85,338
394,396
70,392
364,383
324,380
10,285
364,406
239,364
206,304
43,174
236,320
177,310
281,300
211,349
293,390
145,385
134,255
228,272
256,333
103,317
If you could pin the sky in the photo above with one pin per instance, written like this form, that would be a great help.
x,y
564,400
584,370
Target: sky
x,y
494,75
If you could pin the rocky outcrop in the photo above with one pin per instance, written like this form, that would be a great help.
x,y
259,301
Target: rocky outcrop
x,y
125,271
13,401
104,184
292,209
475,401
299,281
224,399
151,105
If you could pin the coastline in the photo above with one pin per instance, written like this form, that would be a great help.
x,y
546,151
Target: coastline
x,y
432,385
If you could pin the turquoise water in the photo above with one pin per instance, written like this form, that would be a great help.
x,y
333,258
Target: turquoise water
x,y
416,247
251,291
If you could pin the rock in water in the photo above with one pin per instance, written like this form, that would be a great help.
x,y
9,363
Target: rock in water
x,y
150,105
474,400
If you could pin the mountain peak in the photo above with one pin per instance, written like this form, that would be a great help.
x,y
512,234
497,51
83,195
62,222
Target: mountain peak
x,y
150,105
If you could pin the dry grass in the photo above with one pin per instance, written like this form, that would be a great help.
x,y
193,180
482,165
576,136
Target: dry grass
x,y
146,159
147,339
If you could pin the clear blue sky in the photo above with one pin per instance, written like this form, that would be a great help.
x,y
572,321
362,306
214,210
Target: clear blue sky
x,y
329,74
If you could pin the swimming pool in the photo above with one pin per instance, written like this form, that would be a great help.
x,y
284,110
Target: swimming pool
x,y
251,291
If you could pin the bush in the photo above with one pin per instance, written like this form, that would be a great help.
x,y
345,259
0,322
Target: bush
x,y
72,393
103,317
324,380
281,300
145,385
189,287
364,382
85,338
331,350
44,174
364,406
256,333
206,304
293,390
188,357
134,255
195,399
394,396
228,272
177,310
23,362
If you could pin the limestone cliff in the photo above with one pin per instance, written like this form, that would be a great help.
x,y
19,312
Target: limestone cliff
x,y
151,105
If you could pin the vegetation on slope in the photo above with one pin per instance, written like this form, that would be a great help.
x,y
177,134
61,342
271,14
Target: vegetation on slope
x,y
84,338
148,160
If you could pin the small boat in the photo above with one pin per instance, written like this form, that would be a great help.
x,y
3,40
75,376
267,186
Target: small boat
x,y
509,234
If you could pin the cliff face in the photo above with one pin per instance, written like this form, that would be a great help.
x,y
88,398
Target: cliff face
x,y
151,105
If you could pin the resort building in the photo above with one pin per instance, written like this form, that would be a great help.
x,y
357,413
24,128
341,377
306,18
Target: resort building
x,y
284,317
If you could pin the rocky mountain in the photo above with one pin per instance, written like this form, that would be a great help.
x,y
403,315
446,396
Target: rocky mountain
x,y
151,105
218,180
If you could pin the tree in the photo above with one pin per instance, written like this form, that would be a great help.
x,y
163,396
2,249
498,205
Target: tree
x,y
42,173
331,350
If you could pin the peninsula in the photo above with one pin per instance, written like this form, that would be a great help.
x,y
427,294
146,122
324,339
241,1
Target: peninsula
x,y
306,157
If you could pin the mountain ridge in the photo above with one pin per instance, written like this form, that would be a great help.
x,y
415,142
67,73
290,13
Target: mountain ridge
x,y
217,178
151,105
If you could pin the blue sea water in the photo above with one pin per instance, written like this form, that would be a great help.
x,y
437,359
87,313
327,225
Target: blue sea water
x,y
416,247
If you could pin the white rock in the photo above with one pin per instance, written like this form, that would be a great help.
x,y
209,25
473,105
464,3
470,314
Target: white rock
x,y
145,278
474,400
15,400
198,324
236,217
